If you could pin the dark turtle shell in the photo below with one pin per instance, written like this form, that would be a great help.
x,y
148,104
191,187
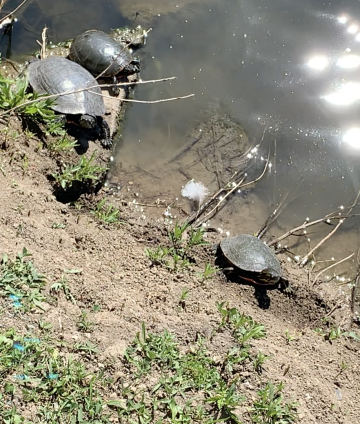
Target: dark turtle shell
x,y
100,53
249,254
55,75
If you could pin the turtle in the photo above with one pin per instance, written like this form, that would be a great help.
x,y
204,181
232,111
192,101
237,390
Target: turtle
x,y
101,54
252,259
57,75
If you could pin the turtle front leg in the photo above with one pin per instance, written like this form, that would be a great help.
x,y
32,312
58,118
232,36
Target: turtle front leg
x,y
105,136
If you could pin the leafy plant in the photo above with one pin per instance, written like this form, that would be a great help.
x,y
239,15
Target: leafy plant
x,y
270,408
84,172
176,256
20,280
63,285
84,324
107,214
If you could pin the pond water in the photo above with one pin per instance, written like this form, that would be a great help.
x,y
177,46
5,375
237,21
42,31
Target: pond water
x,y
287,69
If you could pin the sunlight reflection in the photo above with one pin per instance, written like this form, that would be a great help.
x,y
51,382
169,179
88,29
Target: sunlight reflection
x,y
342,19
349,61
353,29
352,138
347,94
318,63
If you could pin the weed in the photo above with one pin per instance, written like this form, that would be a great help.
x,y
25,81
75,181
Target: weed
x,y
158,255
289,337
208,272
259,361
244,328
59,388
84,324
45,326
21,281
107,214
182,239
96,308
64,144
58,225
63,285
270,408
84,172
13,93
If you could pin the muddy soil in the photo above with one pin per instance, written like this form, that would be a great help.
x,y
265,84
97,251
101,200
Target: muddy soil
x,y
117,275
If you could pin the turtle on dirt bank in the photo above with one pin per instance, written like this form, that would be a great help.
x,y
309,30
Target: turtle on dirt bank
x,y
57,75
251,258
102,55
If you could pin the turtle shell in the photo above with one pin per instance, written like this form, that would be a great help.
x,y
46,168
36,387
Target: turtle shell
x,y
249,254
55,75
100,53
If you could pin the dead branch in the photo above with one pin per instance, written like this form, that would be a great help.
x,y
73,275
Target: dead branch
x,y
11,13
236,182
306,257
53,96
43,43
329,267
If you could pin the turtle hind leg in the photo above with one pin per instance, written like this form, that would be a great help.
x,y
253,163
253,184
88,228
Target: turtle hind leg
x,y
105,137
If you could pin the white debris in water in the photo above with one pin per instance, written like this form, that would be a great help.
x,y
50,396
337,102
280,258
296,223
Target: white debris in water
x,y
195,192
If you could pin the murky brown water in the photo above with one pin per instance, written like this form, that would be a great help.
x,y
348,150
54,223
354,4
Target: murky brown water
x,y
286,66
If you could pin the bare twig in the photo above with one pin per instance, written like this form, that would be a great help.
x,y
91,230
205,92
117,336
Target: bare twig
x,y
53,96
329,267
306,257
158,101
11,13
43,43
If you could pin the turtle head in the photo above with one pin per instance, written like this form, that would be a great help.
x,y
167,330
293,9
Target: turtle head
x,y
133,67
87,121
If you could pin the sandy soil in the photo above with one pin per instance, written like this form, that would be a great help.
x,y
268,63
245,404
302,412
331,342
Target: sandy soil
x,y
118,276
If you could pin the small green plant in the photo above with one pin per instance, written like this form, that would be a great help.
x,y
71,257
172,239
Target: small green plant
x,y
259,360
85,171
62,145
84,324
63,285
182,238
45,326
96,308
289,337
158,255
183,297
58,225
270,408
107,214
14,94
243,327
208,272
20,280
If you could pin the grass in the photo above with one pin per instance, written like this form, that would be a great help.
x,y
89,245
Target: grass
x,y
182,240
14,94
160,383
84,171
21,282
107,214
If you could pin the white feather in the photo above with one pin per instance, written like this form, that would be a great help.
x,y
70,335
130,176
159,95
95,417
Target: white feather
x,y
196,192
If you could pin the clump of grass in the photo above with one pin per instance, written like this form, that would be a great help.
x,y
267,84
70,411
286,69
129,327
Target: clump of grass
x,y
14,94
21,281
182,239
85,171
59,388
107,214
270,407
